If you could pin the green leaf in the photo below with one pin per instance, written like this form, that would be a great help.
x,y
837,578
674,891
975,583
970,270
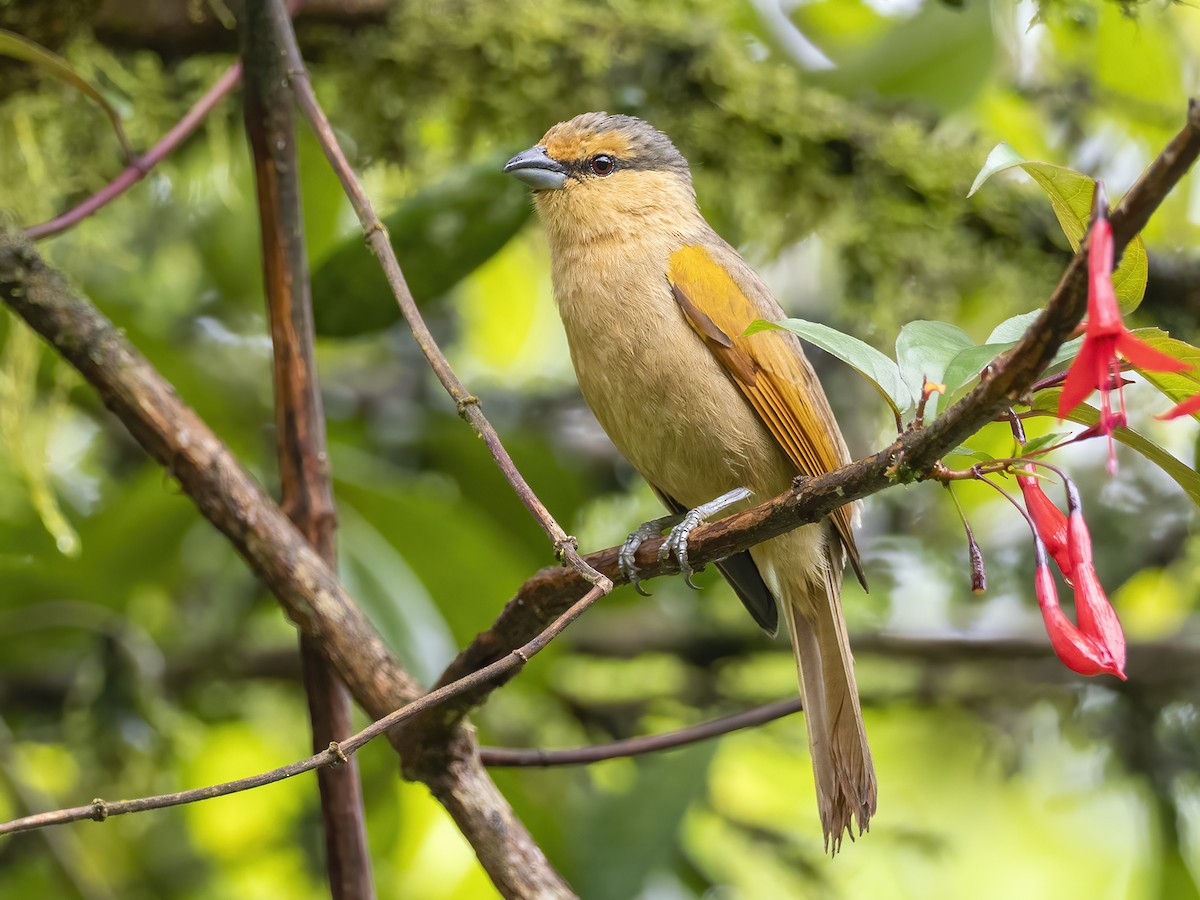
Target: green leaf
x,y
968,363
1046,404
1012,330
1033,445
862,357
440,235
17,47
1070,194
1177,386
977,455
924,350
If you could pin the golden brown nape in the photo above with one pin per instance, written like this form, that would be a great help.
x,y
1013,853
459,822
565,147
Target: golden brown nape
x,y
620,173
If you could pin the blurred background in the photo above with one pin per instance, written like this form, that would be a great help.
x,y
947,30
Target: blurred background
x,y
833,142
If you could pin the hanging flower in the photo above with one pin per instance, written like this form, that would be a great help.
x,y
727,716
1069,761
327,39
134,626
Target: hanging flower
x,y
1049,522
1077,651
1096,616
1097,644
1097,366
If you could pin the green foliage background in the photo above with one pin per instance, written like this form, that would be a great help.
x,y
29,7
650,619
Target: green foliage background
x,y
137,655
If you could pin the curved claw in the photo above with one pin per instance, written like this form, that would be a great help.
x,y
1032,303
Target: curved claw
x,y
677,541
625,556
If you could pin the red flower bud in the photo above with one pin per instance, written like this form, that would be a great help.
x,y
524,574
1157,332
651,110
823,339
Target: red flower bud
x,y
1097,618
1049,521
1076,650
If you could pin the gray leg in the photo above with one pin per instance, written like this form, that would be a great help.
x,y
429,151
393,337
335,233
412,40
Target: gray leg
x,y
644,532
676,541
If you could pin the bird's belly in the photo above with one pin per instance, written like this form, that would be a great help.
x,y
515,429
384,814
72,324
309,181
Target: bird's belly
x,y
668,405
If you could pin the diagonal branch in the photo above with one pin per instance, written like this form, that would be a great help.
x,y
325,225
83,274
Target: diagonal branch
x,y
565,546
277,552
306,487
909,458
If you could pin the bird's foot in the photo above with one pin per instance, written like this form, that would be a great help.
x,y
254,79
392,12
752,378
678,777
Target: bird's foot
x,y
677,541
629,549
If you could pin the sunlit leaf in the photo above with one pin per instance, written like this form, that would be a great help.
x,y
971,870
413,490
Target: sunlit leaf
x,y
1045,403
968,363
924,350
977,455
440,236
1070,194
1012,330
1033,445
862,357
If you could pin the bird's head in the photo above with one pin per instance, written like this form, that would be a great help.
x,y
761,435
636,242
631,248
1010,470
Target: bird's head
x,y
599,173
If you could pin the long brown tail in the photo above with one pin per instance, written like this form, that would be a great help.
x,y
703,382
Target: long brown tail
x,y
845,776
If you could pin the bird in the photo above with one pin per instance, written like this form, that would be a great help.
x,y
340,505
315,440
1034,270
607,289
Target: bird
x,y
655,304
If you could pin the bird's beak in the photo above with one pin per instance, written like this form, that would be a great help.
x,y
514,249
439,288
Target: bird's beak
x,y
537,169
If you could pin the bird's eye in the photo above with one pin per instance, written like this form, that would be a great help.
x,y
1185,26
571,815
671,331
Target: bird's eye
x,y
603,165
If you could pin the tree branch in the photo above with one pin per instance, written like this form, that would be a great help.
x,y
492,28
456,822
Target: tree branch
x,y
909,458
306,488
141,167
311,594
376,236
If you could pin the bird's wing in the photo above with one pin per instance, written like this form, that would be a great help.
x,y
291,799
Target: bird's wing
x,y
769,367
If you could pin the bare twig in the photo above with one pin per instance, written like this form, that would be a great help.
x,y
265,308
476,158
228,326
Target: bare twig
x,y
312,595
498,757
376,235
336,753
140,168
306,487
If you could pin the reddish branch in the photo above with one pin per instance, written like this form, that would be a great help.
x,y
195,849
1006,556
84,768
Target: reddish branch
x,y
306,487
142,166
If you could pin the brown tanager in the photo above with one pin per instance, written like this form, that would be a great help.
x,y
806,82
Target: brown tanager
x,y
655,306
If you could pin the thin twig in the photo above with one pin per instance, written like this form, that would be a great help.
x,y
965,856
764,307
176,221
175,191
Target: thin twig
x,y
142,166
336,753
498,757
306,485
468,406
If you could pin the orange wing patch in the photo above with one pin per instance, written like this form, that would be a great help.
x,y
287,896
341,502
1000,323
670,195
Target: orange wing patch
x,y
773,377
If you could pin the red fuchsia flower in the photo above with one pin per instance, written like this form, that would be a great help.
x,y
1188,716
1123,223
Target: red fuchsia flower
x,y
1049,522
1077,651
1097,644
1097,366
1097,618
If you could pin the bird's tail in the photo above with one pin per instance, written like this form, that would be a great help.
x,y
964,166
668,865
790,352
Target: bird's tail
x,y
845,776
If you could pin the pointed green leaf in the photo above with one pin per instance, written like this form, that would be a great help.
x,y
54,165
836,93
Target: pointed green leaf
x,y
924,350
978,455
1012,330
440,235
968,363
1046,404
862,357
1070,194
1033,445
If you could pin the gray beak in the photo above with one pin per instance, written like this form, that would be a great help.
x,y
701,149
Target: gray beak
x,y
537,170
